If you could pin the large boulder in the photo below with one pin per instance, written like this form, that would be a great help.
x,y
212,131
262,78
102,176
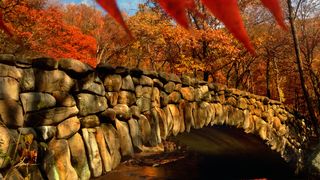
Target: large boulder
x,y
90,104
145,81
145,129
112,98
155,97
49,81
109,115
74,67
127,97
113,141
219,119
5,146
113,82
51,116
187,93
92,83
146,92
11,113
125,139
123,112
135,112
9,88
57,162
204,115
90,121
79,157
163,123
175,113
174,97
105,155
236,117
169,87
95,162
135,133
68,127
144,104
156,117
127,83
200,92
182,105
27,82
169,77
34,101
10,71
64,99
47,63
188,116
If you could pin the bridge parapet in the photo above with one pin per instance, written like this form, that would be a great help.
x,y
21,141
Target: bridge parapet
x,y
79,122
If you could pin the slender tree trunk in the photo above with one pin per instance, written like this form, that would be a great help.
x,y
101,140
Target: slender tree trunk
x,y
268,78
300,69
279,91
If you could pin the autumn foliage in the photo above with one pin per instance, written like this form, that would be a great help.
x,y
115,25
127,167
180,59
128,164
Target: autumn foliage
x,y
226,11
37,30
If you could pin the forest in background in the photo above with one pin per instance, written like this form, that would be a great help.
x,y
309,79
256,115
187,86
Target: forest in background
x,y
207,51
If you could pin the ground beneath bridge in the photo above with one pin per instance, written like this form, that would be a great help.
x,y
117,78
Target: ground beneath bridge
x,y
208,153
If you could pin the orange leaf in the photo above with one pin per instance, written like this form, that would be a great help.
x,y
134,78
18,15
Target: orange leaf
x,y
275,9
177,10
228,12
3,26
112,8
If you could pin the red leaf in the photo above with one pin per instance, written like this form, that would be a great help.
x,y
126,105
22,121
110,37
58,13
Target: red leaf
x,y
112,8
177,10
228,12
275,9
3,26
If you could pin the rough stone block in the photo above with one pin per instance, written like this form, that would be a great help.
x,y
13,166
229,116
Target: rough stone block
x,y
11,113
126,146
113,82
68,128
95,162
112,139
127,83
34,101
90,104
49,81
51,116
105,155
78,157
9,88
57,161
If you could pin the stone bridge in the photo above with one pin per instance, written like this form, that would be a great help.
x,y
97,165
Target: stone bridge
x,y
63,119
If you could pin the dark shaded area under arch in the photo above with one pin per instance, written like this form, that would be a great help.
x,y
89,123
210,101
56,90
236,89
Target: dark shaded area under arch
x,y
219,152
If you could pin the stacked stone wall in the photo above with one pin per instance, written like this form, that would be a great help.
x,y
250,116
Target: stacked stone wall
x,y
63,119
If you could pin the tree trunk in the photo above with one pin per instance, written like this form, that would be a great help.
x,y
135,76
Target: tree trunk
x,y
268,78
279,90
301,73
